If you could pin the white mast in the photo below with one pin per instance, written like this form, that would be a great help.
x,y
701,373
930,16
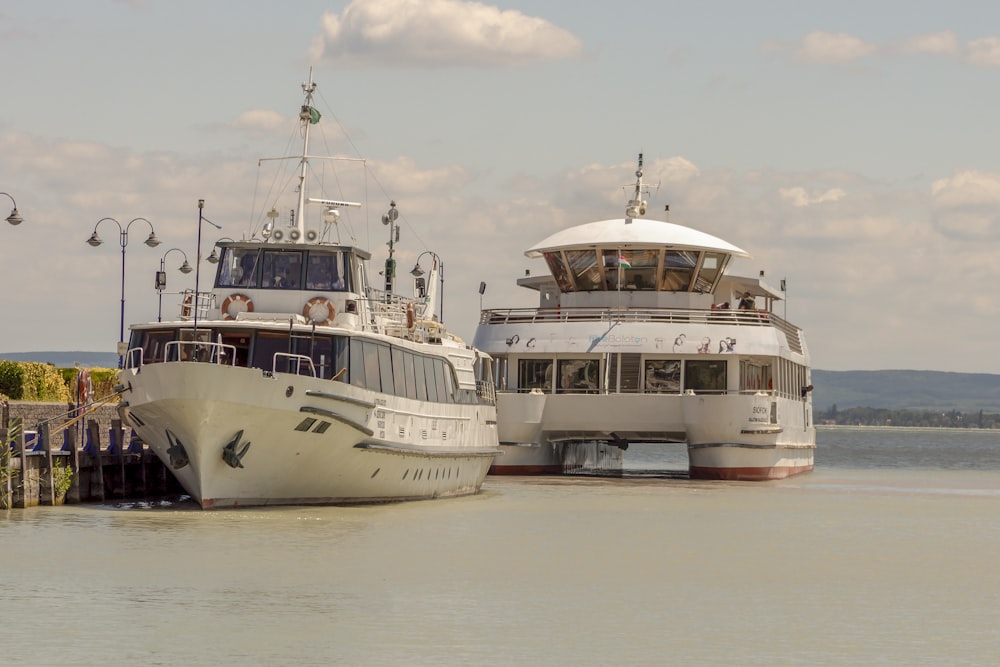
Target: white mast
x,y
308,116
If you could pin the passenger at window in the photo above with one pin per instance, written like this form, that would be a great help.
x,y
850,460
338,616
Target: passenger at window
x,y
747,302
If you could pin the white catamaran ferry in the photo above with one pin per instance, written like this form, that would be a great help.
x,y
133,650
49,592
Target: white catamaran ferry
x,y
641,336
294,381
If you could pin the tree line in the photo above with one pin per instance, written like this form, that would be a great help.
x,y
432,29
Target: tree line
x,y
911,418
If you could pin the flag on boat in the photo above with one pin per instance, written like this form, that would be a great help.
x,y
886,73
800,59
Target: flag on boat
x,y
314,115
623,262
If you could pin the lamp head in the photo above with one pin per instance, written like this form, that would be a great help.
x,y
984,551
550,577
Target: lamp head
x,y
186,267
152,241
94,240
15,218
213,258
417,271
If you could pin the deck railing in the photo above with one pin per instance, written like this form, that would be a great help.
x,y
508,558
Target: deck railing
x,y
750,318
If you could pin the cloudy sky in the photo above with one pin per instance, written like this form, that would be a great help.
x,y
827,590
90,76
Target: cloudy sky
x,y
850,147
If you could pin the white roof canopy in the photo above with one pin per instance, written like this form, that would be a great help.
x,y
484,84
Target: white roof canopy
x,y
633,233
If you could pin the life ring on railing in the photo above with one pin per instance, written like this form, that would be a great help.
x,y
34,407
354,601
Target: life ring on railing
x,y
410,317
84,387
319,310
186,305
236,304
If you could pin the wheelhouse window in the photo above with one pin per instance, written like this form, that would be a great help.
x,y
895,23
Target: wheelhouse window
x,y
711,268
662,376
583,266
282,269
678,269
704,376
238,267
326,272
559,272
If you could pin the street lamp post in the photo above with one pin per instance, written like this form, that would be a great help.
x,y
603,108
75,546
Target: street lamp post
x,y
197,266
439,265
95,241
14,218
161,278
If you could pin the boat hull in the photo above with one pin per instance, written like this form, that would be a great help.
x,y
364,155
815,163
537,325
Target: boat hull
x,y
557,458
295,440
747,437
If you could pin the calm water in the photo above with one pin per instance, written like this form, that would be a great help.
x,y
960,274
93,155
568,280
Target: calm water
x,y
887,554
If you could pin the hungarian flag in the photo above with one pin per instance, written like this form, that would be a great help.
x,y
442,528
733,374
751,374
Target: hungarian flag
x,y
623,262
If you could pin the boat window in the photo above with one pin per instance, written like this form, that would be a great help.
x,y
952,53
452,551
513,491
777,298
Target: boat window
x,y
265,346
583,266
357,372
153,345
636,267
411,381
419,379
432,391
385,369
241,344
282,269
373,375
578,376
440,373
678,267
663,376
705,377
558,268
325,272
711,269
755,376
238,268
449,381
534,374
398,374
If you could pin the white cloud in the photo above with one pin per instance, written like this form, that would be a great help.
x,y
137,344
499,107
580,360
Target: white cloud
x,y
984,52
832,48
966,205
943,43
259,121
440,33
799,197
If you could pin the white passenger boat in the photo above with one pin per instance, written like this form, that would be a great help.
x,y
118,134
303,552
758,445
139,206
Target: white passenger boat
x,y
642,336
294,381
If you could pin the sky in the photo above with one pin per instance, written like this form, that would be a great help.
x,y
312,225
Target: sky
x,y
849,147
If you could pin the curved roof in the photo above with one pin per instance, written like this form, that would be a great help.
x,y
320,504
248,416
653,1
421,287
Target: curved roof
x,y
633,232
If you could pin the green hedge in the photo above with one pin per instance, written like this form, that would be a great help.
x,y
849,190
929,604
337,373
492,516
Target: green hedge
x,y
35,381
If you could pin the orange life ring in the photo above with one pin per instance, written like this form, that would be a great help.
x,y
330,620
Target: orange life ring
x,y
186,306
319,310
240,303
84,388
409,316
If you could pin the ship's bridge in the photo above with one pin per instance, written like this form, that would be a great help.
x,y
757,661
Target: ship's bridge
x,y
658,264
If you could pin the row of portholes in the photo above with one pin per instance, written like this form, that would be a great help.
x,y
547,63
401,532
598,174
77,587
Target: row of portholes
x,y
439,473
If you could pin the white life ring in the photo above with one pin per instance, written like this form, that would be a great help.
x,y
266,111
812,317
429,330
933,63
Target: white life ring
x,y
319,310
236,304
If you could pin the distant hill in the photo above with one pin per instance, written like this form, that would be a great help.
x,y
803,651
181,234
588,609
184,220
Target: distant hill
x,y
906,390
66,359
892,390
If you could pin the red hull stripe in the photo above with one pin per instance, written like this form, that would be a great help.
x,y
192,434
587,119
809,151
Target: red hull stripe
x,y
555,469
748,474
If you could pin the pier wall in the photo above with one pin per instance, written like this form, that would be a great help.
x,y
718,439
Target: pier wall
x,y
70,459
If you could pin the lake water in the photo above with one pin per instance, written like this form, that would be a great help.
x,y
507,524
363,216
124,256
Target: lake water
x,y
887,554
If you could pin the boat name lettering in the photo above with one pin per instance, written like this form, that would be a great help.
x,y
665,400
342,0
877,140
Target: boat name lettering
x,y
761,409
619,340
